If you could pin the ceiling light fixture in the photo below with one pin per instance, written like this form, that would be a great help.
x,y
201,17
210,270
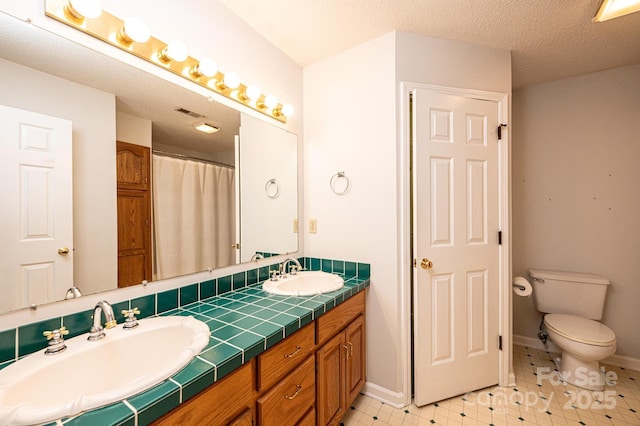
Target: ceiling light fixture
x,y
134,37
206,128
610,9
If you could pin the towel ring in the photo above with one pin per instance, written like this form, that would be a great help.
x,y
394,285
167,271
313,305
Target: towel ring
x,y
271,188
333,183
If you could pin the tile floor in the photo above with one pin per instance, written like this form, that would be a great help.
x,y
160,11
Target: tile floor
x,y
534,401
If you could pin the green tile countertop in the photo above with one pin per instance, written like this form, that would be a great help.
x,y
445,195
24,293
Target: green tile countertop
x,y
243,323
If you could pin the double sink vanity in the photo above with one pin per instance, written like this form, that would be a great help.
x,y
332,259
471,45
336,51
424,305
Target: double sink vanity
x,y
288,350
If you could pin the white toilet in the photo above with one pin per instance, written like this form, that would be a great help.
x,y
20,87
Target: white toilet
x,y
573,303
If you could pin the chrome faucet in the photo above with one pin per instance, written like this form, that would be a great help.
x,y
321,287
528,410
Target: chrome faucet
x,y
294,269
97,331
72,293
256,256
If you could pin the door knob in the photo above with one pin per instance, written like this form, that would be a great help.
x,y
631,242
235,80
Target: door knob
x,y
426,264
63,251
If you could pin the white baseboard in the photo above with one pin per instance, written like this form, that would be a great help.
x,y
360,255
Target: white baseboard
x,y
393,399
615,360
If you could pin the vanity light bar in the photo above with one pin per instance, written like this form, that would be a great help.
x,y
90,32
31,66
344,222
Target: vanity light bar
x,y
109,28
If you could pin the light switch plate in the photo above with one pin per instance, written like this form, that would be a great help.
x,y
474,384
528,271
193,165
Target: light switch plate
x,y
313,226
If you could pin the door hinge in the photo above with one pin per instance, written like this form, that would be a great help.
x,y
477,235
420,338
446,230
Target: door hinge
x,y
499,238
500,126
499,343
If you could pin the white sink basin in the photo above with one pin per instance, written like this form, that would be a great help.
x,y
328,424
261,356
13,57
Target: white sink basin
x,y
306,283
41,388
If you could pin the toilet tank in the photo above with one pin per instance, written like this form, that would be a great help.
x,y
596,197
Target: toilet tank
x,y
573,293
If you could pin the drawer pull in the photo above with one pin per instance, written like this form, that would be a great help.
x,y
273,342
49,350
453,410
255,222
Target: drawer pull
x,y
298,390
294,353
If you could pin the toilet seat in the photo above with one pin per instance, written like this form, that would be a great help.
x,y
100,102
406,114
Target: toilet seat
x,y
580,329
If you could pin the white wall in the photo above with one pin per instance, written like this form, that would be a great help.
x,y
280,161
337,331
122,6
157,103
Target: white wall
x,y
267,152
133,129
94,174
576,203
352,125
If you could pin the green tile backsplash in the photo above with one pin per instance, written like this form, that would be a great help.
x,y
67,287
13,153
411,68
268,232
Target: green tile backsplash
x,y
7,345
30,338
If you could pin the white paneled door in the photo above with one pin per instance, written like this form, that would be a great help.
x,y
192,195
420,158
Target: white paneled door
x,y
456,251
36,214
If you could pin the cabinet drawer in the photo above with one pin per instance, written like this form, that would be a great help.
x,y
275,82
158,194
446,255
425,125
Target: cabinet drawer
x,y
289,400
285,356
339,317
229,401
309,419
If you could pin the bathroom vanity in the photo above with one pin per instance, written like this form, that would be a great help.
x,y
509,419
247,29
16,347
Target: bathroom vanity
x,y
314,374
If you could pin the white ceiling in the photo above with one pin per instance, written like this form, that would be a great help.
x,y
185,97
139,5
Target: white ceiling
x,y
549,39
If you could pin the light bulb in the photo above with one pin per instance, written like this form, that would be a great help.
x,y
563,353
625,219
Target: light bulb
x,y
287,110
85,8
253,92
206,67
135,29
175,51
231,80
270,101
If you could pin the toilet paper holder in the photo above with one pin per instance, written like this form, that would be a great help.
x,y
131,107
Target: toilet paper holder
x,y
521,286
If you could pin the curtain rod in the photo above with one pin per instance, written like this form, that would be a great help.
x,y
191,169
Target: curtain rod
x,y
188,157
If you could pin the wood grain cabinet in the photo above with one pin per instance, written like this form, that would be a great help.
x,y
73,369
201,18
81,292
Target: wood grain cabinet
x,y
134,214
288,401
227,402
311,377
340,370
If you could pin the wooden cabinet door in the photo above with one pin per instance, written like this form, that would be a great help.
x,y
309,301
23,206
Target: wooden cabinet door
x,y
134,255
134,214
332,399
132,162
355,374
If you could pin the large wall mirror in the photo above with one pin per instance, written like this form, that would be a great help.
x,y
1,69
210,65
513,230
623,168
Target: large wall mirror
x,y
205,200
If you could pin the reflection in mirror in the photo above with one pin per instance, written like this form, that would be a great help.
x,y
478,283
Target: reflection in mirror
x,y
105,101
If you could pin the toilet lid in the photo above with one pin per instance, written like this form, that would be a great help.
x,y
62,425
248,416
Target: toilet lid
x,y
580,329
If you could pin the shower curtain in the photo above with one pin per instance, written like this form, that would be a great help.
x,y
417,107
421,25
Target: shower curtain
x,y
194,217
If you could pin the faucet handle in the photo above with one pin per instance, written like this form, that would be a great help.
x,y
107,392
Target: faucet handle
x,y
56,334
129,313
274,274
131,321
56,340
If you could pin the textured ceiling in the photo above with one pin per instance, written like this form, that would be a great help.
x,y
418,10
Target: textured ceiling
x,y
549,39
